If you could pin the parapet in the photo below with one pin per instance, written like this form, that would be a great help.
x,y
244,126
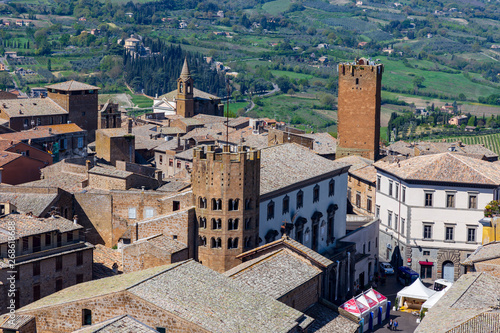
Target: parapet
x,y
213,152
362,63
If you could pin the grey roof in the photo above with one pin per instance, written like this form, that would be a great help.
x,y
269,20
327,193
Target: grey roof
x,y
174,186
471,295
28,226
70,182
324,143
233,122
197,94
72,85
214,302
110,172
166,243
356,162
484,252
186,154
31,107
208,119
292,244
120,324
29,202
329,321
194,293
485,322
275,274
445,167
167,145
288,164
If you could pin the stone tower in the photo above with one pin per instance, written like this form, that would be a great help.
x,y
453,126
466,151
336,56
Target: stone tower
x,y
226,187
185,97
358,131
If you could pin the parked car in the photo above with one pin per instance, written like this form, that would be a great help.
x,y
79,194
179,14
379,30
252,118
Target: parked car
x,y
386,268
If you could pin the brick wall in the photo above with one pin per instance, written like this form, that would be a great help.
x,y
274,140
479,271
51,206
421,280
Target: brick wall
x,y
68,317
180,224
17,123
276,137
48,276
359,110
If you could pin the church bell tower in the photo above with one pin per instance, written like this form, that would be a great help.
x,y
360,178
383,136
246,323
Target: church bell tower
x,y
185,97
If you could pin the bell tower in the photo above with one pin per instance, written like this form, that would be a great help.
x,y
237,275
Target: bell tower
x,y
226,187
185,96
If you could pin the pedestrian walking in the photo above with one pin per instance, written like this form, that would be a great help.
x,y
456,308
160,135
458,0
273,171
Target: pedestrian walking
x,y
395,325
390,325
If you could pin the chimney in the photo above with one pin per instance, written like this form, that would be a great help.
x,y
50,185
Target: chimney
x,y
75,219
158,175
178,140
50,130
129,125
87,163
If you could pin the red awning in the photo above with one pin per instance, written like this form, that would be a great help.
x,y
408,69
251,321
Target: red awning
x,y
426,263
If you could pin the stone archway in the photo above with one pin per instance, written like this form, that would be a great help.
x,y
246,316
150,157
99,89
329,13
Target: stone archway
x,y
451,256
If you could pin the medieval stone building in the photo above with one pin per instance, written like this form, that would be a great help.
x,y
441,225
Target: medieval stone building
x,y
226,189
359,109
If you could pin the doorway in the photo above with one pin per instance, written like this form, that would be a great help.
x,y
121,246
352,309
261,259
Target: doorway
x,y
448,271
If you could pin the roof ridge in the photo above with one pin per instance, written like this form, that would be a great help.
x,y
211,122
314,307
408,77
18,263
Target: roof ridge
x,y
111,321
470,166
170,267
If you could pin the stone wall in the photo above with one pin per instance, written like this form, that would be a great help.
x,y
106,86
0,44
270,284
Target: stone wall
x,y
276,137
303,296
143,255
366,189
67,317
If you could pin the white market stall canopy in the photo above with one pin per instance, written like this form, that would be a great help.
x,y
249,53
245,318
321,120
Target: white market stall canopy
x,y
416,290
434,299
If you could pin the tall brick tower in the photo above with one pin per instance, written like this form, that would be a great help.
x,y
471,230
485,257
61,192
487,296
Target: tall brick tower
x,y
81,102
358,131
185,97
226,187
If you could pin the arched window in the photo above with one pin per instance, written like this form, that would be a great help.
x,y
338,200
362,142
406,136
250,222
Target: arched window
x,y
213,243
216,224
232,224
300,199
203,241
232,204
216,204
286,204
218,243
316,193
203,222
232,243
331,188
248,204
270,210
181,87
200,202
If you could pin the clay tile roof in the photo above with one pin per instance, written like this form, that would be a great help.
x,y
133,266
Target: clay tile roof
x,y
72,85
7,157
368,173
288,164
194,293
275,274
29,202
323,143
120,324
445,167
356,162
27,226
26,135
113,132
208,119
14,323
111,172
62,128
31,107
470,296
166,243
484,252
104,259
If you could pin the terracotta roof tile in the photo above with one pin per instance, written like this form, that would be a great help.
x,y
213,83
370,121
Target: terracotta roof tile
x,y
62,128
445,167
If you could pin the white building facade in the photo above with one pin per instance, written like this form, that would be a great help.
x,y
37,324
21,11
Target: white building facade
x,y
307,203
429,208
